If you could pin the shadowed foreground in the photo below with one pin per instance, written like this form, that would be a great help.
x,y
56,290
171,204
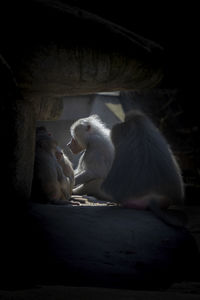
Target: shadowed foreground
x,y
80,293
102,246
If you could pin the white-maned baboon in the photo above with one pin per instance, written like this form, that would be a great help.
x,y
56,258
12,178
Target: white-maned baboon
x,y
91,136
144,173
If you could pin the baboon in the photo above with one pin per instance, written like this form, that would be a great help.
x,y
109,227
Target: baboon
x,y
144,173
91,136
50,185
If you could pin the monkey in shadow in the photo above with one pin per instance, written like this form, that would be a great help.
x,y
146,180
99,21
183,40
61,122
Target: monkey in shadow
x,y
53,174
144,174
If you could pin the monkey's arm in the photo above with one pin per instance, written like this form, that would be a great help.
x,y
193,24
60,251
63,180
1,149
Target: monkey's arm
x,y
83,177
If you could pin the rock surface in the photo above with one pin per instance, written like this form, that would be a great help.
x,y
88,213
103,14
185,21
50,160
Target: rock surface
x,y
108,246
59,55
80,293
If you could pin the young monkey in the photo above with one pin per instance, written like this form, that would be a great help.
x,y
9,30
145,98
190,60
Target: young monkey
x,y
50,185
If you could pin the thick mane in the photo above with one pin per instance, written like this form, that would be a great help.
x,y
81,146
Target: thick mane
x,y
98,125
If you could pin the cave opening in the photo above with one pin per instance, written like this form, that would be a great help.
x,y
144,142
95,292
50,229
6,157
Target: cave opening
x,y
90,227
94,246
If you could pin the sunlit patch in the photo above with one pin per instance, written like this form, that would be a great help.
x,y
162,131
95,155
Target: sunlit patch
x,y
117,109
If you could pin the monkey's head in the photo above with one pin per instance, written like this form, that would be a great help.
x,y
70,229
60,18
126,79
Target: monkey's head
x,y
123,131
45,141
82,131
119,133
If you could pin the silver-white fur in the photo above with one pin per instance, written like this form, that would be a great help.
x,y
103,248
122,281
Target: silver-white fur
x,y
97,158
